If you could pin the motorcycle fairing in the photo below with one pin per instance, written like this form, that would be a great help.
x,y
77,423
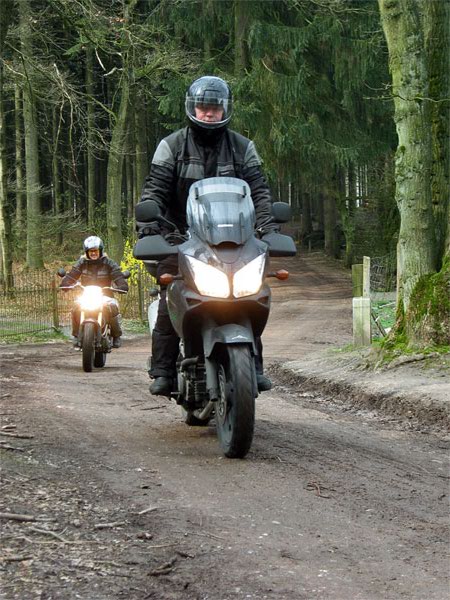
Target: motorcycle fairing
x,y
228,257
188,310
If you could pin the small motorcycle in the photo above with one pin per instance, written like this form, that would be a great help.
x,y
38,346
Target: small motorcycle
x,y
218,303
94,334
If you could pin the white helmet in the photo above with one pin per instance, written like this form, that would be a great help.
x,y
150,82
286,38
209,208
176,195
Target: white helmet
x,y
92,242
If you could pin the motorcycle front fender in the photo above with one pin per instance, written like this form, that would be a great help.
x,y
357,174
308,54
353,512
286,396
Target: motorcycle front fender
x,y
223,335
230,333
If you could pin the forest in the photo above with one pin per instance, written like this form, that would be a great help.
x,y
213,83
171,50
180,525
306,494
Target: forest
x,y
347,101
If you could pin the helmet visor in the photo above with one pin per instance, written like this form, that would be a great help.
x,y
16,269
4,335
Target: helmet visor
x,y
209,110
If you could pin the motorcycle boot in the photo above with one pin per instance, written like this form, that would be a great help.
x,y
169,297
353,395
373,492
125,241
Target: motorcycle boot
x,y
117,342
162,386
264,384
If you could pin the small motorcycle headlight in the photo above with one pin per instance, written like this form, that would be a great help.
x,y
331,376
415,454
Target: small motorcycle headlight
x,y
91,298
209,280
248,280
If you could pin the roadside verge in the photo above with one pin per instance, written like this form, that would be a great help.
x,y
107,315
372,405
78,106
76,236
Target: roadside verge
x,y
418,390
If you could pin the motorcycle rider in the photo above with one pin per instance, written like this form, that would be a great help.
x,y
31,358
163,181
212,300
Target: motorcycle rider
x,y
96,268
205,148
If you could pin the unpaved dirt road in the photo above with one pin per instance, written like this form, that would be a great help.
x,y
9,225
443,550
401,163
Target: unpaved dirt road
x,y
131,503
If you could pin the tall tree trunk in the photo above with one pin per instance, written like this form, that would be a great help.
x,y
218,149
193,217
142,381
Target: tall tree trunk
x,y
5,216
330,222
117,148
242,10
348,209
114,176
416,250
90,137
56,178
306,223
208,18
141,164
436,19
5,219
129,169
34,241
20,195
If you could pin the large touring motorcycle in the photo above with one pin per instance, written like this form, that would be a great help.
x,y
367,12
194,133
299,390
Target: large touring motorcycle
x,y
218,303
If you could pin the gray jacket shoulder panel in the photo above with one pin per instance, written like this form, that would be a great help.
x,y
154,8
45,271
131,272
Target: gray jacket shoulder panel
x,y
163,155
251,158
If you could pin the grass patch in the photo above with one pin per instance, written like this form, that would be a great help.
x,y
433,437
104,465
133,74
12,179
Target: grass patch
x,y
33,337
385,314
134,326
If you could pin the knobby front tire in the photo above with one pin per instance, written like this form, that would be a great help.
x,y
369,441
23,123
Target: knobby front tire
x,y
88,349
235,410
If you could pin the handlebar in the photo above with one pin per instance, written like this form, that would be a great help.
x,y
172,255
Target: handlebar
x,y
72,287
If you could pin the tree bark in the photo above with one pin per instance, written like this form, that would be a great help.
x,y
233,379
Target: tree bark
x,y
20,195
114,176
5,216
329,203
90,137
58,203
141,164
6,276
436,21
416,250
242,10
34,241
348,209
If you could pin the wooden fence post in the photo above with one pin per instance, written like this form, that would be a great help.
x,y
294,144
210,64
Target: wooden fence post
x,y
366,277
361,322
140,296
55,312
357,280
362,333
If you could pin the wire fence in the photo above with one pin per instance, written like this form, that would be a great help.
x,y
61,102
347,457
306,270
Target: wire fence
x,y
383,273
35,304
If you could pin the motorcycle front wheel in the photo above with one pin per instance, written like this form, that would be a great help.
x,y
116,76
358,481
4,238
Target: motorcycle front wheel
x,y
88,350
235,410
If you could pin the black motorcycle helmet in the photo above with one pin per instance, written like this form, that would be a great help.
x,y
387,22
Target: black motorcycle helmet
x,y
92,242
209,91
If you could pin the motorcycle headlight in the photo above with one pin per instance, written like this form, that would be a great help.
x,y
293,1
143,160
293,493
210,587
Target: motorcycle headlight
x,y
91,298
248,280
209,280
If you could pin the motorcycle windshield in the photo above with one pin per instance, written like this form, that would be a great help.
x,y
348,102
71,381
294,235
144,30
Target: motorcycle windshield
x,y
220,209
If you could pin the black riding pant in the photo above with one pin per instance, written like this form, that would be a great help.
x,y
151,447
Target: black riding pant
x,y
165,340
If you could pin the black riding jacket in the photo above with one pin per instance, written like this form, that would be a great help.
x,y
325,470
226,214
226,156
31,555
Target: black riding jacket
x,y
102,272
185,157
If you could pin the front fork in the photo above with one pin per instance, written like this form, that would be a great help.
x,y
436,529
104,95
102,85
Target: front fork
x,y
100,329
215,341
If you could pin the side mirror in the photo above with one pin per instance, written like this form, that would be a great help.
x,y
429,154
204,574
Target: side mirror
x,y
153,247
281,212
280,245
126,274
61,272
147,211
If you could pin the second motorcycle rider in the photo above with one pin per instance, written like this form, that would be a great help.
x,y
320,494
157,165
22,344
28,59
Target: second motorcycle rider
x,y
94,267
205,148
